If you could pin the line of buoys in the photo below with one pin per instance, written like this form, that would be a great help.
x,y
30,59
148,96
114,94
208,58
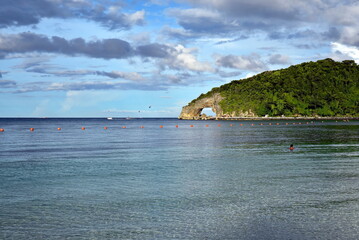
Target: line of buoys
x,y
192,126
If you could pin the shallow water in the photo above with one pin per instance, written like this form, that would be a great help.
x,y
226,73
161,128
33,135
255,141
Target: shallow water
x,y
215,182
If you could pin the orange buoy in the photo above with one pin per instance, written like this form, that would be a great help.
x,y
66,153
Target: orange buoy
x,y
231,125
2,130
58,129
277,123
161,126
241,124
206,125
105,128
252,124
123,126
191,126
219,125
32,129
176,126
83,128
142,127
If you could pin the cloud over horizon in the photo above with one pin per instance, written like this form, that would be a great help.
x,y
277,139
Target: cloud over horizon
x,y
56,46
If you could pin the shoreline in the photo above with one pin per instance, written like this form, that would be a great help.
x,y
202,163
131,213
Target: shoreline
x,y
272,118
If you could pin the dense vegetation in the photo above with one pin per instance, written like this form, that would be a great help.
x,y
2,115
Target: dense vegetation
x,y
322,88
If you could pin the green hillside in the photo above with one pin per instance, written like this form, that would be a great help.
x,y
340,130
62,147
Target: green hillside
x,y
322,88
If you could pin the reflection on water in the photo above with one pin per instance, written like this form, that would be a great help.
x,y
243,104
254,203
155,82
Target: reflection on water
x,y
228,182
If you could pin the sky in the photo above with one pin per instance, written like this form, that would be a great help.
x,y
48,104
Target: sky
x,y
105,58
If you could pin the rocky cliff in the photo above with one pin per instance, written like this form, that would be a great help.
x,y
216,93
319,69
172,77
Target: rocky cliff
x,y
194,109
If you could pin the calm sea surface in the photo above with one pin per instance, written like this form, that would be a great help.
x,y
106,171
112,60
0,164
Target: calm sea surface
x,y
215,182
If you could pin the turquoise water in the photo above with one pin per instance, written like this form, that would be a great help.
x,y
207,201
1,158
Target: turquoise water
x,y
215,182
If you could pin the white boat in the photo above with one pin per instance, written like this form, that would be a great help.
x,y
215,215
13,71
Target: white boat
x,y
109,118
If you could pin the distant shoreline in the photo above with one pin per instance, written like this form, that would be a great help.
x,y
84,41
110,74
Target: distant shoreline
x,y
275,118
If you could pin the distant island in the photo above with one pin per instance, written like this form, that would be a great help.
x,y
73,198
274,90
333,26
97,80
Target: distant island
x,y
325,88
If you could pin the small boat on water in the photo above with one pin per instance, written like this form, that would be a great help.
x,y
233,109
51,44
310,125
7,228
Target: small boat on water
x,y
109,118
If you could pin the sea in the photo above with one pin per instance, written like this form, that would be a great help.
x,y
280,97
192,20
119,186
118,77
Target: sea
x,y
164,178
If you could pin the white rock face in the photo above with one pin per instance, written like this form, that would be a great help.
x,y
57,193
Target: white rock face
x,y
194,111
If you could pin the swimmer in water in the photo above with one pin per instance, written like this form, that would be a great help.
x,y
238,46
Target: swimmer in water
x,y
291,147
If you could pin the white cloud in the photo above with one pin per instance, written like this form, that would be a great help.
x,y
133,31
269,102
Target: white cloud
x,y
183,59
248,75
351,16
198,20
133,76
251,62
348,51
194,12
278,59
276,9
350,35
135,18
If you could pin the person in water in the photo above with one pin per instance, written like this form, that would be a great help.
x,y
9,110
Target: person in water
x,y
291,147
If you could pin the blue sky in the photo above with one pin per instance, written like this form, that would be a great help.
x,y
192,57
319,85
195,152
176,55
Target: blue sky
x,y
82,58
